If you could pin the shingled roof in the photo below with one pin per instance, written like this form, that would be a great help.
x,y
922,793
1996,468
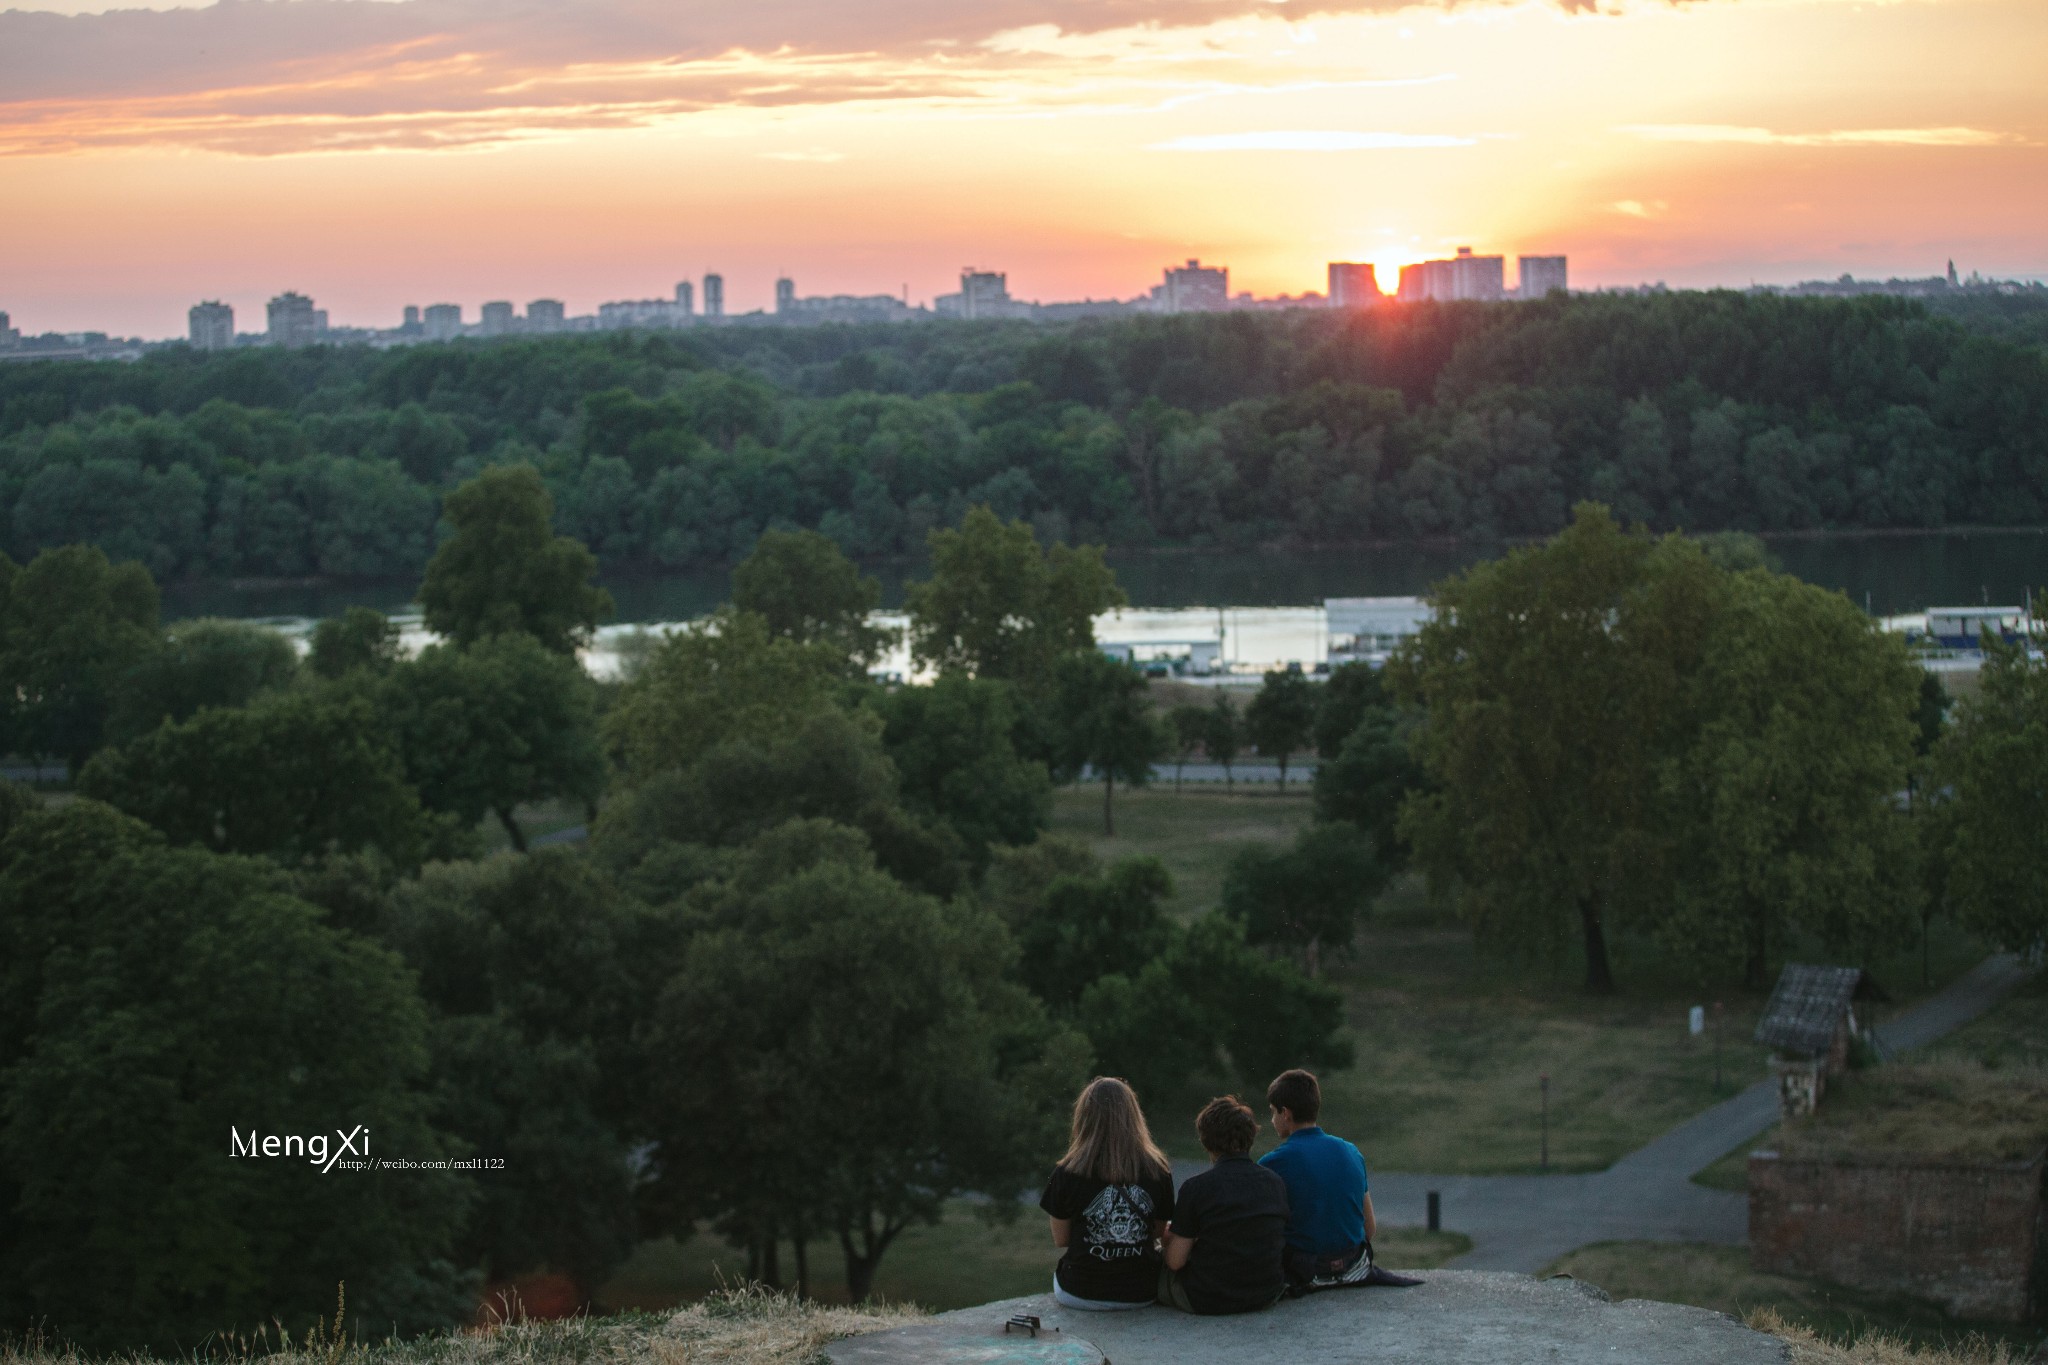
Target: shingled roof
x,y
1807,1005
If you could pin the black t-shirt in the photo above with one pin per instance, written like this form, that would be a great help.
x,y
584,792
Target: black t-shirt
x,y
1237,1213
1110,1255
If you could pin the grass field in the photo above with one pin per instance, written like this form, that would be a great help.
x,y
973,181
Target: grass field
x,y
1451,1042
963,1261
1720,1278
1195,833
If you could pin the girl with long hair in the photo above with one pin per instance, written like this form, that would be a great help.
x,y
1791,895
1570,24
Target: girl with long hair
x,y
1110,1198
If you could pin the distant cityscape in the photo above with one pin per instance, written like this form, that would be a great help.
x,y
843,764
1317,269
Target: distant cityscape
x,y
293,320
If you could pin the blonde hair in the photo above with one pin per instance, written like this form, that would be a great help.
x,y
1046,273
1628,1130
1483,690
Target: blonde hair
x,y
1110,1141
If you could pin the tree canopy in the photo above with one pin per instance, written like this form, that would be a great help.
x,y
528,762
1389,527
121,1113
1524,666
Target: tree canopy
x,y
503,569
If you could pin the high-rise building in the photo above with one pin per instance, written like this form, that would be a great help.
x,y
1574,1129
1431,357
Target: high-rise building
x,y
1194,288
1464,276
212,325
714,296
785,295
1538,276
1353,285
293,320
411,325
686,298
9,337
497,320
443,321
545,315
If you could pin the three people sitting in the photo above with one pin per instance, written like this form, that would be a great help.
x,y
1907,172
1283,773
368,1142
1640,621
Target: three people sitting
x,y
1237,1237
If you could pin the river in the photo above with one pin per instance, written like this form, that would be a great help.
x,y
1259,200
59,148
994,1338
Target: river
x,y
1888,573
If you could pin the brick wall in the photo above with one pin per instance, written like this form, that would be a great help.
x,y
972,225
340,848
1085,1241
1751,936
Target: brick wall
x,y
1965,1237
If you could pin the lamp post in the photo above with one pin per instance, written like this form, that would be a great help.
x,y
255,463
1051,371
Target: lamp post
x,y
1717,1047
1544,1087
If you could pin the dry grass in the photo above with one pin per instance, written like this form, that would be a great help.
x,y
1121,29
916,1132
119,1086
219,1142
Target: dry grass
x,y
1878,1348
730,1327
1946,1109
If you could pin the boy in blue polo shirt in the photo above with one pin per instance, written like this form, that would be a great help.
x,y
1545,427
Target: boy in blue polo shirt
x,y
1330,1219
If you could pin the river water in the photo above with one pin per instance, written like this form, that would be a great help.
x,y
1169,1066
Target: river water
x,y
1264,604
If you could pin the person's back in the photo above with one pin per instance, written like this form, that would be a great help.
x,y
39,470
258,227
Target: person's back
x,y
1223,1252
1109,1197
1330,1218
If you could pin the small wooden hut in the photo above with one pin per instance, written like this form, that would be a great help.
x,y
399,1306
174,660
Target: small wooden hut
x,y
1810,1024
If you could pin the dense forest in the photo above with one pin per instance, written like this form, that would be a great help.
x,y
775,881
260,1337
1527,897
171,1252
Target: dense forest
x,y
1696,411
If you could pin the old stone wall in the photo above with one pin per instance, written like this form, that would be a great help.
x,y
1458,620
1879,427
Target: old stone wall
x,y
1964,1236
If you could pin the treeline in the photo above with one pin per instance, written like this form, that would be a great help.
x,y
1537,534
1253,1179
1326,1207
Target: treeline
x,y
815,971
1695,411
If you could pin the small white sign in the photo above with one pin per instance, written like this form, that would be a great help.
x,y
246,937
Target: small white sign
x,y
1696,1021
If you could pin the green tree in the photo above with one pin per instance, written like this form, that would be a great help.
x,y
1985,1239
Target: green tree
x,y
73,626
358,638
537,971
1995,761
295,775
200,663
1547,676
1102,719
1350,694
956,757
1281,719
997,606
867,1045
726,679
503,569
494,726
1189,726
151,997
1768,838
1084,926
1212,1006
1368,780
1224,736
1306,898
808,591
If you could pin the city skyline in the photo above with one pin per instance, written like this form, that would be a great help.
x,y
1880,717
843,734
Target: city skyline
x,y
383,154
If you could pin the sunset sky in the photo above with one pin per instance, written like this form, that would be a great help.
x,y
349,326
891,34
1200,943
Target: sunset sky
x,y
375,153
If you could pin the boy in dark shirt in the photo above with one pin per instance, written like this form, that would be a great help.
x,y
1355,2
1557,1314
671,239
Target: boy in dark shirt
x,y
1229,1223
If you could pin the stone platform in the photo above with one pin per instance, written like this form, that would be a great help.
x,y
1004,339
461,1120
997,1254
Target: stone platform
x,y
1463,1316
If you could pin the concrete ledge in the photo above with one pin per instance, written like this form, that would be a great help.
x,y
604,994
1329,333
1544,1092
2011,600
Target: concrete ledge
x,y
1464,1316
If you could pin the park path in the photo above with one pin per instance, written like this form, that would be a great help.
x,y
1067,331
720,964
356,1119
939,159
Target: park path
x,y
1524,1222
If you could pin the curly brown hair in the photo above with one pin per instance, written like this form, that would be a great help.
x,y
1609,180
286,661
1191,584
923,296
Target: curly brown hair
x,y
1226,1126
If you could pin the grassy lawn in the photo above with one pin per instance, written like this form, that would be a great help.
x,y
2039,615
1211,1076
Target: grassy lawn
x,y
1720,1278
1195,832
1452,1042
963,1261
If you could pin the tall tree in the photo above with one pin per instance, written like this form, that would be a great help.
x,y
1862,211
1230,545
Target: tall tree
x,y
998,606
200,663
1224,735
825,998
807,590
1541,739
1308,897
296,775
1281,718
1995,761
954,749
1368,779
1189,726
1102,717
358,638
73,626
492,727
1783,802
504,569
151,997
1350,694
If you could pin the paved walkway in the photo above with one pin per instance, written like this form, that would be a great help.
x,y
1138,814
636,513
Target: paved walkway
x,y
1524,1222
